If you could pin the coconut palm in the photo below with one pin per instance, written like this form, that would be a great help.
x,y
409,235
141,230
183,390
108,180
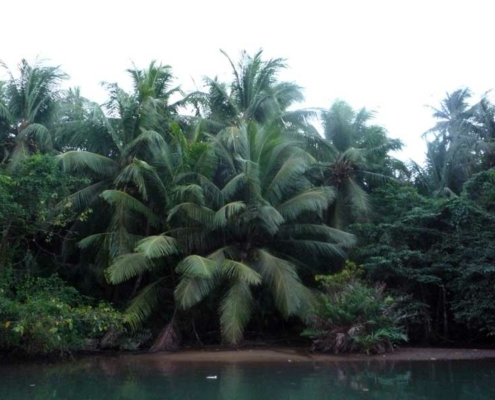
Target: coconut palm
x,y
124,149
354,157
259,223
29,105
457,147
255,94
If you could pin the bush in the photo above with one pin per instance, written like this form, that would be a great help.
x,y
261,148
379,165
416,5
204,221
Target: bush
x,y
44,316
352,317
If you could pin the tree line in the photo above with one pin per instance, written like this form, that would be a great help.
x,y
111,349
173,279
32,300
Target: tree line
x,y
208,214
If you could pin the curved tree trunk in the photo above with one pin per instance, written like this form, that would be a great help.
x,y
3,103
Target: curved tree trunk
x,y
169,338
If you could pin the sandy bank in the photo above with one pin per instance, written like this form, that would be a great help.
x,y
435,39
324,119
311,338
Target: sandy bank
x,y
300,355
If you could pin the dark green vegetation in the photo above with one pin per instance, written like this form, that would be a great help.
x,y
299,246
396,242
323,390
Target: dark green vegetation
x,y
352,317
206,216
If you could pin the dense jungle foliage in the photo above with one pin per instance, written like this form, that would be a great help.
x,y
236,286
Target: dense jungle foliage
x,y
205,217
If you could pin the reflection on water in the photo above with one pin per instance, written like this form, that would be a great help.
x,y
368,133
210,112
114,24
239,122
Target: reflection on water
x,y
136,378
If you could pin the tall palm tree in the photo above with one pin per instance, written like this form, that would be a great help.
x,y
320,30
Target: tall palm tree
x,y
124,149
354,157
254,94
29,105
259,223
455,151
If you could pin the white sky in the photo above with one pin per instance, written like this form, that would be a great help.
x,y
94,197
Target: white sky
x,y
392,56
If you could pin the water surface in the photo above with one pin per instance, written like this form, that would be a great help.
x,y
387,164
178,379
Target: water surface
x,y
129,378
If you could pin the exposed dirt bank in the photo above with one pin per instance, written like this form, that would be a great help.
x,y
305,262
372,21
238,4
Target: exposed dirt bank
x,y
301,355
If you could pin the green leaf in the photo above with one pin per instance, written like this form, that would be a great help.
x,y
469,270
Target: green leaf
x,y
228,211
143,305
73,161
144,177
289,293
197,267
191,290
120,198
235,311
313,200
127,266
158,246
91,240
240,272
195,212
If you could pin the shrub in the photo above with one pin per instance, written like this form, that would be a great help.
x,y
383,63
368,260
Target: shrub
x,y
44,316
350,316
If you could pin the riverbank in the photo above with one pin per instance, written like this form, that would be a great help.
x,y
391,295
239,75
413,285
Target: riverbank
x,y
264,355
296,355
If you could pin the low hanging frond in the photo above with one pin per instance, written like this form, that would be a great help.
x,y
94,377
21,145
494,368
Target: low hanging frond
x,y
74,161
197,267
117,197
158,246
281,276
127,266
144,304
240,272
191,291
235,311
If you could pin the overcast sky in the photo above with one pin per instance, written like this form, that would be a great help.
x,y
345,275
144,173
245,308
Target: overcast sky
x,y
394,57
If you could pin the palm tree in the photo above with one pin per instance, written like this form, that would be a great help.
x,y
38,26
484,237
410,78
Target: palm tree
x,y
259,223
125,152
354,157
255,94
28,107
457,147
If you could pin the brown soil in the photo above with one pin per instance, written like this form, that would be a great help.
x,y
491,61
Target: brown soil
x,y
301,355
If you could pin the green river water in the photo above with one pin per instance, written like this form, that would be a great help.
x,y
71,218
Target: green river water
x,y
113,378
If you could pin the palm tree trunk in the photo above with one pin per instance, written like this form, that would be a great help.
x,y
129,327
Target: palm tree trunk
x,y
168,339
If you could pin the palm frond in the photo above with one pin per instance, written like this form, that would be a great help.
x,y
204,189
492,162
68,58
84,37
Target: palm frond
x,y
314,231
83,198
144,176
74,161
144,304
282,278
118,197
235,311
314,200
158,246
191,290
288,173
195,212
197,267
127,266
240,272
91,240
39,133
357,196
228,211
